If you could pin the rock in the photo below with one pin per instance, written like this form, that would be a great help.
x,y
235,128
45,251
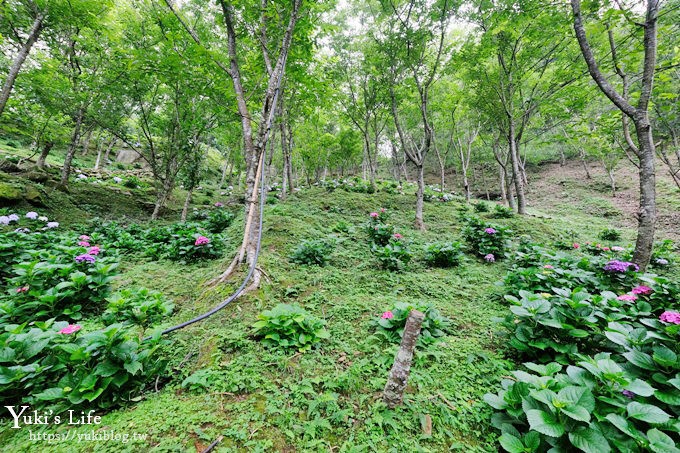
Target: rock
x,y
9,166
9,193
33,196
37,176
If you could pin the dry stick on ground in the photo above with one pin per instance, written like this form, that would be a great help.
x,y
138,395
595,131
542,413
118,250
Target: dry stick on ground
x,y
393,394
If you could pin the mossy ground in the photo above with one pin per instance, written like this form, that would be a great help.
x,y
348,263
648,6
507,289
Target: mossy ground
x,y
328,399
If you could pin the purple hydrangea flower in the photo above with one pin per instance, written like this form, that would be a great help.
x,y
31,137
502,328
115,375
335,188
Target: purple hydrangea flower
x,y
620,266
52,224
490,231
670,317
628,394
661,261
85,258
4,220
32,215
490,258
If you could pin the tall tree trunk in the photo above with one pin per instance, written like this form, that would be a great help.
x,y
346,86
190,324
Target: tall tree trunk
x,y
517,172
647,211
19,60
86,142
501,181
162,195
582,156
112,143
420,196
75,139
187,202
225,168
43,155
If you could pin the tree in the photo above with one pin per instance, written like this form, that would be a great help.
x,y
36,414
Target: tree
x,y
415,33
644,149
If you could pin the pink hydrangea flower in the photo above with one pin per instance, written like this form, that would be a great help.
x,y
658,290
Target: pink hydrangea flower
x,y
94,250
202,240
548,266
397,236
387,315
490,231
617,248
382,210
23,289
84,237
671,317
83,243
642,289
576,245
218,204
627,297
374,214
606,249
71,328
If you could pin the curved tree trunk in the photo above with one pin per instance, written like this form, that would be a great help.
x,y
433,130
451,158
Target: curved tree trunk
x,y
43,154
75,140
20,59
187,202
420,195
647,212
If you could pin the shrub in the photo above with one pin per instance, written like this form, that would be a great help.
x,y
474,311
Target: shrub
x,y
502,212
343,227
56,281
481,207
485,240
142,307
394,256
444,254
187,242
60,366
609,234
316,251
390,325
619,344
289,326
132,182
218,220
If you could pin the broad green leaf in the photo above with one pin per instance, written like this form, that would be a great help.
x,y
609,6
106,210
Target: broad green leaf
x,y
625,426
660,442
647,413
511,444
589,440
640,387
544,423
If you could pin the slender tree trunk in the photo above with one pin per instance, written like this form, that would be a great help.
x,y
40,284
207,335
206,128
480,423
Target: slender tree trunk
x,y
224,173
162,196
420,196
112,143
187,202
510,198
43,155
86,142
514,158
612,179
75,139
582,155
647,212
20,59
501,180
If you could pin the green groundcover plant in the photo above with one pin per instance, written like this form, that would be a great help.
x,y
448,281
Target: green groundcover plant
x,y
289,327
390,325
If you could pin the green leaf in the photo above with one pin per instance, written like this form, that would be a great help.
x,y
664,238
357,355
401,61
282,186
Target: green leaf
x,y
132,367
640,359
50,394
647,413
664,356
624,426
640,387
660,442
668,397
511,443
496,401
589,440
544,423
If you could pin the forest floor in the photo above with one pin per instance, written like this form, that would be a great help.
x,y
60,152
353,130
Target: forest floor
x,y
224,384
